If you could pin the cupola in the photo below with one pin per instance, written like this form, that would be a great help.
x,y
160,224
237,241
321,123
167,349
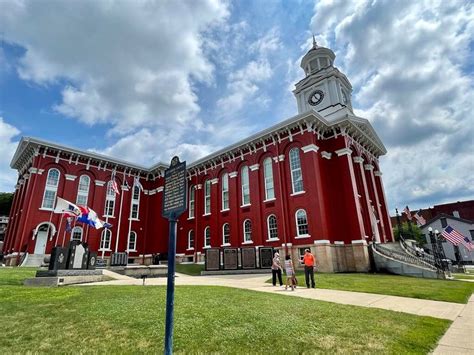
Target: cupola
x,y
317,58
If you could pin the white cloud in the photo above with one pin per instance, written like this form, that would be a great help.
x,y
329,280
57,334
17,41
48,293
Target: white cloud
x,y
405,61
8,176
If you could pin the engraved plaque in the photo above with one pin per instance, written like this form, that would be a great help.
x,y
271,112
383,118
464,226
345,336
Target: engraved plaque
x,y
266,258
213,259
231,260
249,258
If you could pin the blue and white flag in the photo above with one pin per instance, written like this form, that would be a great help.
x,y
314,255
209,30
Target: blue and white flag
x,y
66,207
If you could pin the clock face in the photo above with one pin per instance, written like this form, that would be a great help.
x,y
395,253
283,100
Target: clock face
x,y
316,97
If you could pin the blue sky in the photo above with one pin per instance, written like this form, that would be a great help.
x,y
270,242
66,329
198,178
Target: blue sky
x,y
146,80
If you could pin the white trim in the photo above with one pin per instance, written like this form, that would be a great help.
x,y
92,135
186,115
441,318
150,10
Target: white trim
x,y
338,242
189,249
206,214
99,183
46,209
247,242
343,151
281,157
125,188
254,167
303,236
322,241
358,160
226,210
105,216
378,173
270,199
207,247
132,219
310,148
363,242
190,218
273,240
214,181
233,174
226,245
368,167
297,193
247,205
160,189
326,155
70,177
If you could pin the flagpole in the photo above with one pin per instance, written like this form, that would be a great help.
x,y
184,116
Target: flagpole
x,y
130,215
59,229
120,215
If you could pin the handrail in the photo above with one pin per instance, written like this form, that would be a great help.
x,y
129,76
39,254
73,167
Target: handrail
x,y
404,257
425,257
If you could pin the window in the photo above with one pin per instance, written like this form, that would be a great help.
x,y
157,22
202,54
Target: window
x,y
132,241
301,223
83,190
272,227
244,173
225,191
207,237
226,234
191,239
472,234
191,202
207,197
247,231
51,189
268,177
76,233
109,201
135,202
295,167
444,224
105,239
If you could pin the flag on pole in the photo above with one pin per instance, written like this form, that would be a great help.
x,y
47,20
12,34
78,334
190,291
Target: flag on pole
x,y
407,212
456,238
114,184
69,224
419,218
136,182
89,216
67,208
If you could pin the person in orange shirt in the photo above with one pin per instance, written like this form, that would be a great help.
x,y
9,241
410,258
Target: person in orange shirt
x,y
309,260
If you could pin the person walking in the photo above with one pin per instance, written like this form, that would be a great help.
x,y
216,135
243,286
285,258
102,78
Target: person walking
x,y
276,269
290,272
309,260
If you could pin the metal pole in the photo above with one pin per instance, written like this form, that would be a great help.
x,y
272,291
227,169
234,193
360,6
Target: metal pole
x,y
170,286
398,223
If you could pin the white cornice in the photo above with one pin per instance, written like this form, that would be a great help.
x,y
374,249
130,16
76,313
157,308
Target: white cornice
x,y
310,148
358,160
70,177
214,181
344,151
254,167
377,173
99,183
368,167
326,155
233,174
160,189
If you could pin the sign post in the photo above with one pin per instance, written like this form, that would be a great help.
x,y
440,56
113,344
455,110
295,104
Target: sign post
x,y
174,204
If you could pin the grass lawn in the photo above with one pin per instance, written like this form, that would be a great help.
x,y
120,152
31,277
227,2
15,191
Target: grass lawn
x,y
130,319
190,269
430,289
464,276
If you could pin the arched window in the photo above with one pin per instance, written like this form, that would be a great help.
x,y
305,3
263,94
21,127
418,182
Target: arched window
x,y
105,239
207,197
132,241
207,237
301,223
76,233
247,231
135,202
225,191
51,189
268,177
191,202
226,234
296,174
83,190
272,227
244,180
191,239
109,201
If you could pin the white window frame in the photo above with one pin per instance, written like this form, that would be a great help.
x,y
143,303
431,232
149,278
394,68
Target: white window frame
x,y
225,191
53,188
135,203
247,232
245,185
207,231
134,242
295,169
105,243
306,226
224,242
268,179
73,231
270,228
207,197
109,200
82,192
191,204
191,245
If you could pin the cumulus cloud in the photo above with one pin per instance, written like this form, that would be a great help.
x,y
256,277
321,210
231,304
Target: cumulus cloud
x,y
407,60
8,176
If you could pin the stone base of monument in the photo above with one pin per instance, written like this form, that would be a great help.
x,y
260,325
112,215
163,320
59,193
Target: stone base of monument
x,y
236,272
138,271
54,278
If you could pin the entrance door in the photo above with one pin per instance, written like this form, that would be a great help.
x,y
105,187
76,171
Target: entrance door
x,y
41,239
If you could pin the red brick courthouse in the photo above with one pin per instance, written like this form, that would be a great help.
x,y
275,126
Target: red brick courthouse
x,y
312,180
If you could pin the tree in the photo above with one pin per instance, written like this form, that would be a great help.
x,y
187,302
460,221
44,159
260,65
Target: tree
x,y
410,232
6,200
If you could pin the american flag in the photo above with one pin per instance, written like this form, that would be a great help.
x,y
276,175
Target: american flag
x,y
419,218
136,182
407,212
114,184
456,238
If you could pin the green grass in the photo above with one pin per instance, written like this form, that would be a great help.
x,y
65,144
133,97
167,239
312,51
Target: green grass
x,y
130,319
463,276
190,269
404,286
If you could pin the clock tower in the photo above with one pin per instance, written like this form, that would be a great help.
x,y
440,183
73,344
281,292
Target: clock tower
x,y
324,89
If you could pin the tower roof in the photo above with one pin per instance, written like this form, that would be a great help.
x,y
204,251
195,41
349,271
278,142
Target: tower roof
x,y
317,52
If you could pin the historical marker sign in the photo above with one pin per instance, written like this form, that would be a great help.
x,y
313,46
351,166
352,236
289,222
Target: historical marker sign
x,y
212,259
174,193
231,261
266,257
249,258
